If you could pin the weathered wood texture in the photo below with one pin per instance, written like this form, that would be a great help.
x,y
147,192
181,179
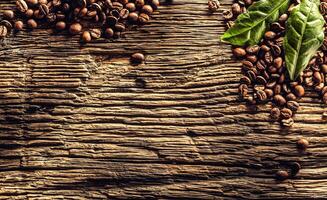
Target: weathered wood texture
x,y
78,122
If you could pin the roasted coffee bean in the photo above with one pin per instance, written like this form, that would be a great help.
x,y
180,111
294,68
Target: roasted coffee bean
x,y
8,14
7,24
245,80
86,37
253,49
283,18
29,13
32,24
111,20
268,57
293,105
323,8
269,93
109,33
265,75
236,9
75,28
239,52
279,100
60,25
213,5
319,87
243,90
261,95
275,114
155,4
133,17
295,168
43,9
139,3
143,18
248,2
19,25
228,15
299,91
95,33
120,27
286,113
278,62
131,7
21,6
302,144
147,9
324,68
44,1
290,97
252,75
251,58
137,58
124,14
247,65
281,78
271,84
124,2
270,35
3,31
282,175
258,87
317,77
286,88
288,122
264,48
261,80
32,2
261,65
277,89
276,50
277,27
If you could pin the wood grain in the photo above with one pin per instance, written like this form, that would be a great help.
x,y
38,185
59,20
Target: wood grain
x,y
79,122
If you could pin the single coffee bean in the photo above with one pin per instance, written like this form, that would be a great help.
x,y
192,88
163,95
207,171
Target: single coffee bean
x,y
283,18
38,15
261,95
8,14
269,93
252,75
51,18
109,33
253,49
60,25
43,1
243,90
147,9
7,24
75,28
111,20
239,52
137,58
286,113
261,80
268,57
261,65
251,58
275,114
213,5
299,91
279,100
269,35
319,87
43,9
139,3
278,62
295,168
86,37
3,31
131,7
236,9
247,65
264,48
29,13
302,144
291,97
120,27
155,4
282,175
95,33
143,18
324,68
288,122
21,6
19,25
31,23
317,77
245,80
293,105
32,2
276,50
124,14
277,89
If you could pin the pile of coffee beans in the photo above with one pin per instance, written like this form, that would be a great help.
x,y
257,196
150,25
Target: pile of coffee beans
x,y
265,77
91,19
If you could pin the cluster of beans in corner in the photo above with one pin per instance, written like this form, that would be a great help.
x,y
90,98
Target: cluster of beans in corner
x,y
91,19
265,75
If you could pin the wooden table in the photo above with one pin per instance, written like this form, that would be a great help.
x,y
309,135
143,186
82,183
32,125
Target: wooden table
x,y
79,122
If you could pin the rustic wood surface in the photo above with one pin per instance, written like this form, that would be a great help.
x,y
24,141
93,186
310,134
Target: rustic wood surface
x,y
79,122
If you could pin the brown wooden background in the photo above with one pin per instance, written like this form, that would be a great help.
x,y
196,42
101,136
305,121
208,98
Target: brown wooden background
x,y
79,122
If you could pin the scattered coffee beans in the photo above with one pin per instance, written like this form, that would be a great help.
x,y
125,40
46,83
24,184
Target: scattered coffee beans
x,y
108,18
265,75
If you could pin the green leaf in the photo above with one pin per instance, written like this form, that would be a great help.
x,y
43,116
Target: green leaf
x,y
250,27
304,35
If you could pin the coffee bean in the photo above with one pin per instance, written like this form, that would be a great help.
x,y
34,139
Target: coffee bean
x,y
44,1
317,77
261,80
302,144
21,6
18,25
213,5
245,80
275,114
286,113
319,87
264,48
143,18
155,4
293,105
279,100
236,9
261,95
137,58
32,2
253,49
131,7
269,35
43,9
290,97
95,33
251,58
239,52
299,91
3,31
60,25
324,68
147,9
75,28
261,65
109,33
29,13
133,17
252,76
139,3
31,23
278,62
277,89
8,14
282,175
268,57
295,168
269,93
86,37
120,27
124,14
247,65
7,24
243,90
